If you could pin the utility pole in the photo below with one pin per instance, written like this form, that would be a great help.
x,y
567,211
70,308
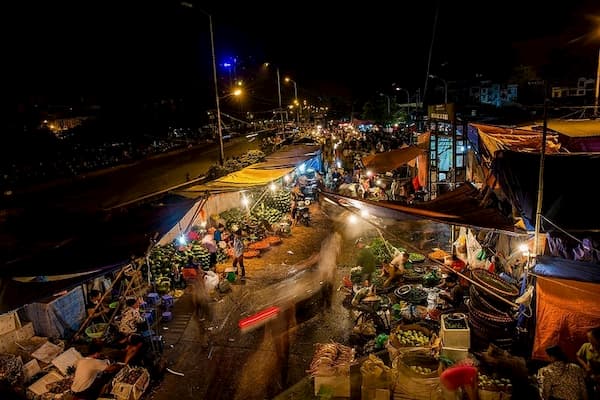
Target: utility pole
x,y
279,94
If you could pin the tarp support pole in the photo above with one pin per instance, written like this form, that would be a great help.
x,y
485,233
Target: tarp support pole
x,y
540,194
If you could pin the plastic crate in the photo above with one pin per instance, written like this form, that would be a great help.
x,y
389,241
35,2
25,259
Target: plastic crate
x,y
455,338
453,353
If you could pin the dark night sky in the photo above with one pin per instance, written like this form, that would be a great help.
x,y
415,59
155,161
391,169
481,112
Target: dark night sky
x,y
131,48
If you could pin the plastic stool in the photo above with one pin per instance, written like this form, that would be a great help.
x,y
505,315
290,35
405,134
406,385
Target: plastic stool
x,y
153,299
167,316
167,301
149,317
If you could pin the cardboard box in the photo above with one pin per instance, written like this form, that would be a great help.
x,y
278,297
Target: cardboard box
x,y
9,322
455,338
337,385
47,352
25,332
67,359
454,353
31,369
128,391
8,342
39,387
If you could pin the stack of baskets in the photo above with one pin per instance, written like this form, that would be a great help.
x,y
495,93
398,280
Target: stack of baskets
x,y
491,320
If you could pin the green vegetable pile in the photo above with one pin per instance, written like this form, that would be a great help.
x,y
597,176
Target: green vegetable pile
x,y
265,214
280,200
380,250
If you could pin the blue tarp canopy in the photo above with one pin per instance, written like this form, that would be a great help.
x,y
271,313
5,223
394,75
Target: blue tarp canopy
x,y
567,269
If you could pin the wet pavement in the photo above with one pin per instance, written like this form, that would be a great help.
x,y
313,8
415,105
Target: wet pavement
x,y
216,360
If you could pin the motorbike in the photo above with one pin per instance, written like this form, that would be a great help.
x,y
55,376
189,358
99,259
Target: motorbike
x,y
303,213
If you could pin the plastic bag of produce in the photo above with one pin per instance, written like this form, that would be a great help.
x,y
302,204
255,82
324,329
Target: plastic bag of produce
x,y
211,279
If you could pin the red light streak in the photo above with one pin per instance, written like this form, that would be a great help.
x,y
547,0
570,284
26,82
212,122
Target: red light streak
x,y
260,316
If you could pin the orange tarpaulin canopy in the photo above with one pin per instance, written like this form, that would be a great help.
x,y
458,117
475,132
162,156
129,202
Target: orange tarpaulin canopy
x,y
565,310
390,160
496,138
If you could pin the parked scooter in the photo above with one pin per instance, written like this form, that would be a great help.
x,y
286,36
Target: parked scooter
x,y
303,213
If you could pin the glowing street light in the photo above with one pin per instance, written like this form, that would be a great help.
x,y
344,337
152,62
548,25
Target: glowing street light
x,y
288,79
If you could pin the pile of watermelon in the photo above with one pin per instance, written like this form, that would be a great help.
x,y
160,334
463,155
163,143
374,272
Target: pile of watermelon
x,y
170,259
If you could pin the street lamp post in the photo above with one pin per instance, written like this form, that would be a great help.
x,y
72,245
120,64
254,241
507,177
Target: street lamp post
x,y
445,87
389,105
296,103
214,68
279,110
407,103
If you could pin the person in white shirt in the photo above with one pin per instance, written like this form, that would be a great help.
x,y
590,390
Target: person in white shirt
x,y
91,374
209,242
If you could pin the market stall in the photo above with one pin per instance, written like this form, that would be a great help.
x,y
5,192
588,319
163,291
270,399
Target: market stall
x,y
255,200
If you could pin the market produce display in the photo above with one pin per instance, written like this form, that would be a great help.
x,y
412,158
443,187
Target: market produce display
x,y
280,200
61,386
411,294
262,245
421,370
251,253
233,217
263,213
273,240
455,321
412,337
168,260
331,359
432,278
132,375
382,250
235,164
493,384
416,257
11,368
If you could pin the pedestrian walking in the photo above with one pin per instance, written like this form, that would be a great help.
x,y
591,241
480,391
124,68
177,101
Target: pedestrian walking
x,y
201,298
238,253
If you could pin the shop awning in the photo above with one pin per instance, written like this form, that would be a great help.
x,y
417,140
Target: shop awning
x,y
494,138
390,160
239,180
275,166
575,135
459,207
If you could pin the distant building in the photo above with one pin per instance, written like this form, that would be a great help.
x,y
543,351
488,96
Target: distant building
x,y
495,94
585,87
